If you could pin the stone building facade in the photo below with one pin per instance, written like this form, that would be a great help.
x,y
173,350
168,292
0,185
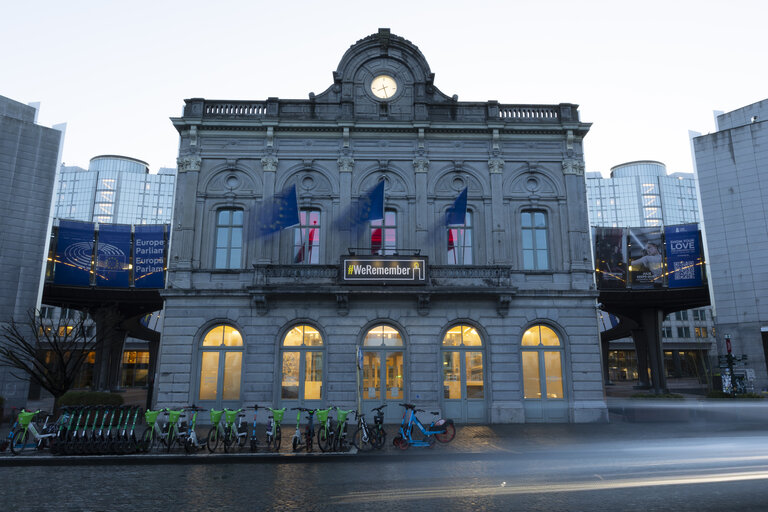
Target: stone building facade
x,y
503,326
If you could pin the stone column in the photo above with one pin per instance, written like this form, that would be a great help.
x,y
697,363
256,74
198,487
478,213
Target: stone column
x,y
421,170
498,253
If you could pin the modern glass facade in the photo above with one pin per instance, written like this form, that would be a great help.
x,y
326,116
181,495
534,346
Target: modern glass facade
x,y
117,190
642,194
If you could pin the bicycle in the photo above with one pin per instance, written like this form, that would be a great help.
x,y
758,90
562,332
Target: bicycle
x,y
362,439
325,430
174,419
379,434
340,432
27,435
191,442
7,441
274,435
236,435
153,435
254,441
309,430
439,429
216,432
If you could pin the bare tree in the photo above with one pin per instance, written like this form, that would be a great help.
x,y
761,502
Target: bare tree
x,y
50,353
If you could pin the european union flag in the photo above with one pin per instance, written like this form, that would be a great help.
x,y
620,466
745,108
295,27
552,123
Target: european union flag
x,y
369,207
456,214
281,213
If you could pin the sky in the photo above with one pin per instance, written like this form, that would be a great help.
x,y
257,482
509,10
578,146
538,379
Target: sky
x,y
643,73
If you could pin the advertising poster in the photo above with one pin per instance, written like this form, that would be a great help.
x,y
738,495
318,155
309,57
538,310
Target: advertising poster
x,y
113,252
74,253
149,257
610,258
683,256
645,257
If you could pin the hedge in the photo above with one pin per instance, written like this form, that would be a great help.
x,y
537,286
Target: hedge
x,y
90,398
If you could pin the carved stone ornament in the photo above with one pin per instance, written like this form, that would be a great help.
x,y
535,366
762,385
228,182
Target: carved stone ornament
x,y
423,305
421,165
496,165
189,163
342,304
572,166
346,164
260,301
502,306
269,163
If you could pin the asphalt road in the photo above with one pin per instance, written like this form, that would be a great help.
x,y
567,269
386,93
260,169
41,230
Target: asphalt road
x,y
685,467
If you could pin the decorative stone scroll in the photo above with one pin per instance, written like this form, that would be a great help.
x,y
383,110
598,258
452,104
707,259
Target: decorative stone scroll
x,y
269,163
496,165
346,164
573,166
420,165
189,163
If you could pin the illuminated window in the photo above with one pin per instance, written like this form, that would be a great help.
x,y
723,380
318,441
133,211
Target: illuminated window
x,y
135,370
221,363
383,364
462,364
302,364
542,357
229,238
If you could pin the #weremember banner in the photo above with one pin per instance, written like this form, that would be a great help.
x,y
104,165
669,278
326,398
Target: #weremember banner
x,y
382,270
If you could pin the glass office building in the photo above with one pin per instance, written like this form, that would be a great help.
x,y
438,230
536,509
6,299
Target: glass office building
x,y
642,194
116,190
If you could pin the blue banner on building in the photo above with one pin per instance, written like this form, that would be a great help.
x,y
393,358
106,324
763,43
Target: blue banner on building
x,y
113,253
646,263
149,257
74,253
683,256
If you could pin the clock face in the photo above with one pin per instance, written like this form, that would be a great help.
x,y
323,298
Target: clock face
x,y
384,87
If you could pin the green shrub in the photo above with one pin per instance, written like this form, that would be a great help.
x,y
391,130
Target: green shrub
x,y
90,398
723,394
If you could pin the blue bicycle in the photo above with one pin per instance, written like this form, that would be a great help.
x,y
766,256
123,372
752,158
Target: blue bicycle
x,y
440,429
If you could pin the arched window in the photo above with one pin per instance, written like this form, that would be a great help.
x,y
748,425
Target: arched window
x,y
302,364
383,364
462,363
542,356
221,363
229,238
535,240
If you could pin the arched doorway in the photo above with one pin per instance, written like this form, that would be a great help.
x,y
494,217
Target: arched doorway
x,y
463,375
301,367
542,358
221,364
384,370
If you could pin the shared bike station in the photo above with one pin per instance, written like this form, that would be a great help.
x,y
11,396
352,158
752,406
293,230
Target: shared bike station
x,y
122,430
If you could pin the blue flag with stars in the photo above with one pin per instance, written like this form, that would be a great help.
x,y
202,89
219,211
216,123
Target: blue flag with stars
x,y
281,213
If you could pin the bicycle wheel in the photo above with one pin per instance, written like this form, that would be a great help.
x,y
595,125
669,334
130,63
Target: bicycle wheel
x,y
450,431
278,438
172,439
378,437
296,444
20,442
213,439
229,439
400,442
324,439
147,440
242,440
362,439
